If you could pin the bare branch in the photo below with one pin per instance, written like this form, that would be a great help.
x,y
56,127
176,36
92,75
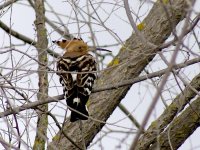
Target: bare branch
x,y
129,115
7,3
33,105
42,95
24,38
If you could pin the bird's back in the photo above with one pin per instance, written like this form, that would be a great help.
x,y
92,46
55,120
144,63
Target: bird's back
x,y
77,78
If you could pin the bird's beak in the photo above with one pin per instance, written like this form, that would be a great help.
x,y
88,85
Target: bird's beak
x,y
92,49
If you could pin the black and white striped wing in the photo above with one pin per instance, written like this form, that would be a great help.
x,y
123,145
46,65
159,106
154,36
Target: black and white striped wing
x,y
66,79
85,80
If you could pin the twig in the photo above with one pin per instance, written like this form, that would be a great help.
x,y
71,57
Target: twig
x,y
57,29
24,38
125,83
129,115
58,125
7,3
13,87
148,76
141,37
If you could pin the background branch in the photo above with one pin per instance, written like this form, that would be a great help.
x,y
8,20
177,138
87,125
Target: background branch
x,y
24,38
33,105
42,95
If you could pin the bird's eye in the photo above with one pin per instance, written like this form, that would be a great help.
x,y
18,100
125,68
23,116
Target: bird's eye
x,y
79,47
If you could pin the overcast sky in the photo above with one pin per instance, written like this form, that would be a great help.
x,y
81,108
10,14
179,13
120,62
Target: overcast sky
x,y
21,17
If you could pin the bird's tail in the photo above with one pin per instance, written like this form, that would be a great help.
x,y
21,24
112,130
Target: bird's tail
x,y
77,116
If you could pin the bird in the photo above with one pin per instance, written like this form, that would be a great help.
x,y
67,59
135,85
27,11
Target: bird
x,y
77,72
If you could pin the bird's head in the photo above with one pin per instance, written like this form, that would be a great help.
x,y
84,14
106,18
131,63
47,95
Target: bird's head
x,y
73,48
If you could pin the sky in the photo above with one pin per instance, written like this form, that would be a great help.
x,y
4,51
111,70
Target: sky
x,y
21,18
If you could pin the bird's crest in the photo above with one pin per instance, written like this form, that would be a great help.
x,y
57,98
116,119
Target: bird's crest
x,y
74,45
73,48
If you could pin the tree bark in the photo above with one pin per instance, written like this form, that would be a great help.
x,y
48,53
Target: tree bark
x,y
180,128
133,57
160,124
41,45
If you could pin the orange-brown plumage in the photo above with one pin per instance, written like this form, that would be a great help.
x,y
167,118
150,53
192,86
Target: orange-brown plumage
x,y
73,48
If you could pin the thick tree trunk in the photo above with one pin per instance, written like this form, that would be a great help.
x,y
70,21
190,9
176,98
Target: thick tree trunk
x,y
129,63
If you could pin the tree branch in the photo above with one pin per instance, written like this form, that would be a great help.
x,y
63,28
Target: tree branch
x,y
42,95
57,29
129,115
135,57
7,3
145,77
24,38
167,116
33,105
180,128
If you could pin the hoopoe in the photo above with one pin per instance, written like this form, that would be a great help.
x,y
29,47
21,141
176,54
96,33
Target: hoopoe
x,y
79,77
